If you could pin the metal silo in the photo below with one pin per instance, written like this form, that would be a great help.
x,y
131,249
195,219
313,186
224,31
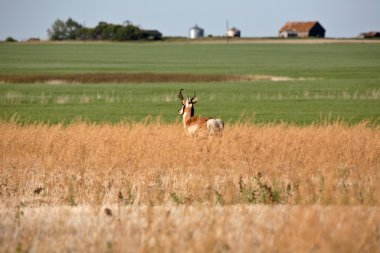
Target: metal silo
x,y
196,32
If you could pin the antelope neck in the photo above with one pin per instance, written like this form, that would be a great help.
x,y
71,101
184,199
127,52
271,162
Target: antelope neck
x,y
189,112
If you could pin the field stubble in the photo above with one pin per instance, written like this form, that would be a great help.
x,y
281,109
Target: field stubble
x,y
165,191
233,228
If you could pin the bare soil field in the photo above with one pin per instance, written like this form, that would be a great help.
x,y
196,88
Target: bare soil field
x,y
147,187
137,78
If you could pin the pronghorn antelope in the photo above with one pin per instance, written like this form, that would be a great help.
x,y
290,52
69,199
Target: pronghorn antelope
x,y
194,124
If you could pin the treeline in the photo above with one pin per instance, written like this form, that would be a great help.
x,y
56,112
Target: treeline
x,y
72,30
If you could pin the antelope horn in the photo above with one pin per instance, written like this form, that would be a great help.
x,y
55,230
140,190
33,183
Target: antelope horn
x,y
180,96
191,99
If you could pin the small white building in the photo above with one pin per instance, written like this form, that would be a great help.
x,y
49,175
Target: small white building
x,y
233,32
196,32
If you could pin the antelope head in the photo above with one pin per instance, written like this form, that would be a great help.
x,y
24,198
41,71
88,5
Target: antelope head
x,y
187,104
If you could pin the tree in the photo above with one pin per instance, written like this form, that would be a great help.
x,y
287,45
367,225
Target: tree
x,y
72,28
85,33
129,32
99,31
10,39
58,30
61,30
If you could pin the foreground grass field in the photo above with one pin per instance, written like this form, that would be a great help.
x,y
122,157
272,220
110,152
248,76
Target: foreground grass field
x,y
158,164
147,187
238,228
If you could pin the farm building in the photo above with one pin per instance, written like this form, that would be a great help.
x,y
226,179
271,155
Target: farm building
x,y
151,34
302,29
196,32
369,35
233,32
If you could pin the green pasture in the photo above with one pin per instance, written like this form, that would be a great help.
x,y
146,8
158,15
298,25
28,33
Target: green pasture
x,y
331,81
294,60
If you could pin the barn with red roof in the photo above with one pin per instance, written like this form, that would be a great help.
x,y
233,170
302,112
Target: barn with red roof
x,y
302,29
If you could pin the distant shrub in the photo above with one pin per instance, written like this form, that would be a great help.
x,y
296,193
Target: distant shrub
x,y
34,39
72,30
10,39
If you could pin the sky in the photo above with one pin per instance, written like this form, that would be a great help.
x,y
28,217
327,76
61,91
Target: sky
x,y
23,19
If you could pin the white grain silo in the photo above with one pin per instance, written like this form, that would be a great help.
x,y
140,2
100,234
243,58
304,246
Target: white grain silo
x,y
196,32
233,32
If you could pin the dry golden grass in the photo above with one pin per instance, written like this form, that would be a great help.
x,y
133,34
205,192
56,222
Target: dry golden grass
x,y
149,187
157,164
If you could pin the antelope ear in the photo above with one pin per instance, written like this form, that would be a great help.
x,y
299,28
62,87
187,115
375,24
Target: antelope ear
x,y
194,100
181,111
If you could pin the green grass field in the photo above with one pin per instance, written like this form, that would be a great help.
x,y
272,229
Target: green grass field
x,y
326,81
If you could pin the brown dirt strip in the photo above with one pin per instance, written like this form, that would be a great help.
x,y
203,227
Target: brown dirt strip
x,y
134,78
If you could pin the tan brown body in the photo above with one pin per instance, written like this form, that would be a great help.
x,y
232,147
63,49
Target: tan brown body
x,y
194,124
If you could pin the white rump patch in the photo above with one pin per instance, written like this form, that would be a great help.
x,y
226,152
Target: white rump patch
x,y
215,126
